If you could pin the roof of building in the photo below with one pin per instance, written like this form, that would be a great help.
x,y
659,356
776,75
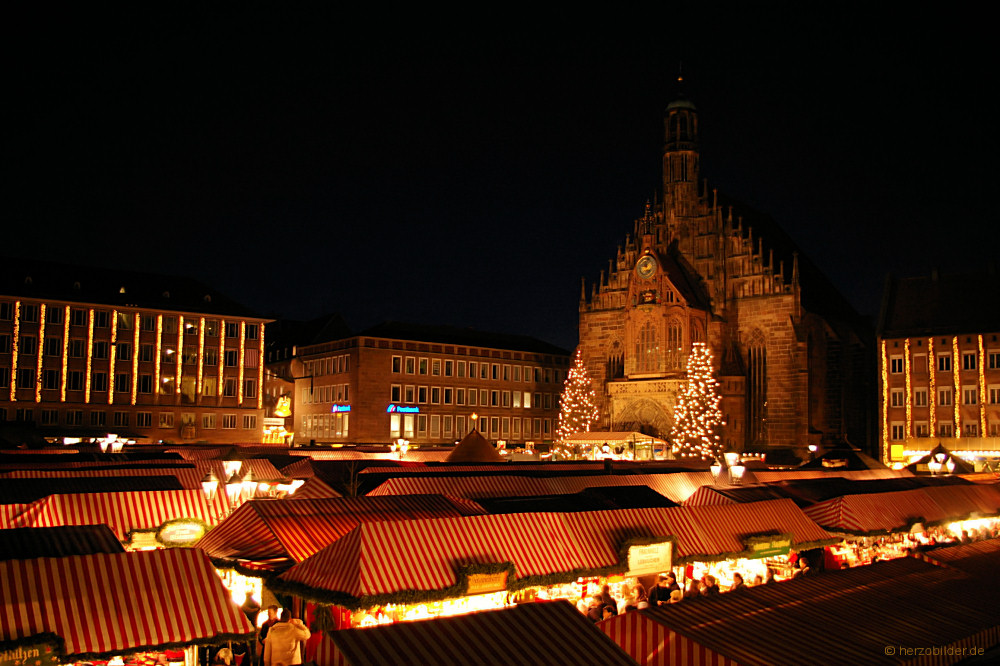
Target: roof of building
x,y
395,330
27,543
474,448
939,304
106,285
289,332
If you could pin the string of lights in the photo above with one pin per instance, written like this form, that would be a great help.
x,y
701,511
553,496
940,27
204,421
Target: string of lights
x,y
697,414
578,403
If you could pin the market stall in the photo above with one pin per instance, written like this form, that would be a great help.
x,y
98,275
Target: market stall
x,y
102,606
388,572
539,633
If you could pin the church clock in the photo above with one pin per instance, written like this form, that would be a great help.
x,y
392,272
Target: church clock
x,y
646,267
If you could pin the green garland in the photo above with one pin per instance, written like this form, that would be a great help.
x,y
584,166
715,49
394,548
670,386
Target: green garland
x,y
44,638
56,640
175,521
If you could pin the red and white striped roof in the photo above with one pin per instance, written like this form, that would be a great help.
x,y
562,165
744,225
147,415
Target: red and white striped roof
x,y
189,474
650,643
9,514
536,633
108,604
378,559
315,488
274,534
123,512
893,511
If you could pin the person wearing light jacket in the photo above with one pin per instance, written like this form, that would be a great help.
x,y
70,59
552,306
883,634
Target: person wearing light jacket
x,y
281,647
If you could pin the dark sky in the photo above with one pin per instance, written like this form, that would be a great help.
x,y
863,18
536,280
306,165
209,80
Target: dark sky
x,y
419,169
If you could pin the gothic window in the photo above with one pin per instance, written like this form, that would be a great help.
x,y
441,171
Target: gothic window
x,y
616,361
757,389
646,349
674,345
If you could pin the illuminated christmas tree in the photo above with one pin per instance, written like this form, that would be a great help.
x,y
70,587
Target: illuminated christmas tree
x,y
697,415
577,407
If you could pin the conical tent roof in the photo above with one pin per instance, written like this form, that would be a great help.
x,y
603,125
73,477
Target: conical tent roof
x,y
474,448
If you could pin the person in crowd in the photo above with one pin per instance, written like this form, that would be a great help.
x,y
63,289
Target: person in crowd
x,y
641,598
665,584
628,600
607,600
608,612
595,610
281,647
251,609
583,604
966,539
272,619
803,568
758,580
769,578
711,585
738,584
223,657
676,596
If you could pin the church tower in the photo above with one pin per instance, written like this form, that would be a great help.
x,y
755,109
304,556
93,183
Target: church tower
x,y
788,361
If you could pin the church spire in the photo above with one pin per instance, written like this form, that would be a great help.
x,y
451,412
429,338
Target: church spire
x,y
680,154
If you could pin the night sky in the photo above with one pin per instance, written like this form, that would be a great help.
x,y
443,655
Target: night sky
x,y
418,169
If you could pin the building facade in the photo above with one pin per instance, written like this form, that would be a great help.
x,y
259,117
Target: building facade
x,y
429,385
939,367
88,352
792,356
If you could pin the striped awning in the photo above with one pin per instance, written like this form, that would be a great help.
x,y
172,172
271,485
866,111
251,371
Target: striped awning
x,y
274,534
839,617
123,512
9,514
876,513
316,488
377,562
651,643
541,633
106,604
497,468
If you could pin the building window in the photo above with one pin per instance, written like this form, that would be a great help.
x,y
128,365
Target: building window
x,y
920,363
971,430
922,429
527,400
411,365
446,396
460,370
74,417
144,419
517,400
898,432
473,369
50,379
98,418
49,416
25,378
969,361
422,394
421,425
436,367
494,398
448,368
484,397
945,430
228,421
422,366
505,399
121,419
970,395
6,310
896,364
994,360
506,373
74,380
395,393
920,397
897,398
460,396
232,331
646,350
944,363
944,397
101,319
494,426
4,344
232,358
4,377
229,388
435,395
495,371
208,421
995,395
409,394
397,364
28,345
249,421
251,331
166,419
249,388
435,426
53,346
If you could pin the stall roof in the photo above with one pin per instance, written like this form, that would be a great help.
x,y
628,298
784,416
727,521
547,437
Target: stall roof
x,y
878,513
979,558
474,449
381,562
274,534
835,617
123,512
103,604
27,543
538,633
25,491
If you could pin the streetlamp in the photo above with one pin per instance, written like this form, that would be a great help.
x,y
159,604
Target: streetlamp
x,y
716,469
233,488
400,447
210,485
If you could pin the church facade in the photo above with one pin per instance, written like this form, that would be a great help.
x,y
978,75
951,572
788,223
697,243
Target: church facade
x,y
793,359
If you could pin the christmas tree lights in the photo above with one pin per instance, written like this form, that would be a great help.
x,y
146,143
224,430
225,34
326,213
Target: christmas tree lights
x,y
697,415
577,406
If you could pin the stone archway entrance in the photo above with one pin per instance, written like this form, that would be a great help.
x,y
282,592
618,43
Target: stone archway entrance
x,y
642,415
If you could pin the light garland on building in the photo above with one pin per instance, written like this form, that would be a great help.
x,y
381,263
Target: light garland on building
x,y
156,361
65,355
909,393
697,414
90,354
112,352
201,357
135,357
239,380
957,402
577,405
982,389
884,370
221,361
260,368
41,349
13,351
932,398
180,353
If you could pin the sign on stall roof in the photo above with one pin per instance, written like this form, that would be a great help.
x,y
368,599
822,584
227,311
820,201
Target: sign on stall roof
x,y
649,558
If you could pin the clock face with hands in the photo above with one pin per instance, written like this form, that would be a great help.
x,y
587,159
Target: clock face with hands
x,y
645,267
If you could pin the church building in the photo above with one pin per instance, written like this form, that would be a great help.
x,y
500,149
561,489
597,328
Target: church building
x,y
793,359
